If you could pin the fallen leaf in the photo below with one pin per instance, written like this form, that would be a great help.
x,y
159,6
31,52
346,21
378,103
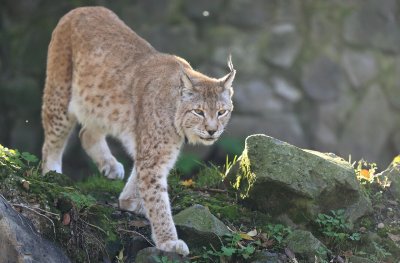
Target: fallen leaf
x,y
395,238
245,236
66,219
252,233
188,183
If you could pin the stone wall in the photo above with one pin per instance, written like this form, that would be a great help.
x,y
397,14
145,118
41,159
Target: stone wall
x,y
319,74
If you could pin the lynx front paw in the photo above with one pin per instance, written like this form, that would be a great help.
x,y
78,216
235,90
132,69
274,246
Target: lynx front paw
x,y
177,246
132,205
113,170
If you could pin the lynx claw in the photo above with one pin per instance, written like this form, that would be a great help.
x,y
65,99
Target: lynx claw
x,y
114,171
177,246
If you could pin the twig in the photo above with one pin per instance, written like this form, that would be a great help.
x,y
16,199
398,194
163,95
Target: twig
x,y
37,208
97,227
210,190
137,233
36,212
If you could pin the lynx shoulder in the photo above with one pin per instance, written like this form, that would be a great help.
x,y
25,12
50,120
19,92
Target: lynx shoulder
x,y
104,76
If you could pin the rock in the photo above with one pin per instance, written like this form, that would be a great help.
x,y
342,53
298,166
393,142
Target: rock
x,y
154,255
305,245
327,120
282,45
265,257
368,128
356,259
322,79
20,242
392,173
261,96
248,13
198,227
288,11
392,89
360,67
230,40
285,126
164,38
396,141
374,25
286,90
323,31
135,245
288,182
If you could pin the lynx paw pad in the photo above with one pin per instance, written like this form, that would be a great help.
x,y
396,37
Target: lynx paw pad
x,y
177,246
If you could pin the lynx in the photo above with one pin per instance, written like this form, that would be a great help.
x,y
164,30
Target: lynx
x,y
104,76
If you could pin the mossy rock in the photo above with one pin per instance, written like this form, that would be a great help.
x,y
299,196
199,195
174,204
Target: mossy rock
x,y
286,181
198,227
306,246
154,255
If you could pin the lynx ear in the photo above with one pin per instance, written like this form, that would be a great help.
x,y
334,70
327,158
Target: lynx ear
x,y
227,80
186,85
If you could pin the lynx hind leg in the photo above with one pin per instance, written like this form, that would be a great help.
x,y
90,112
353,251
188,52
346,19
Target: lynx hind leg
x,y
129,199
57,128
57,122
96,147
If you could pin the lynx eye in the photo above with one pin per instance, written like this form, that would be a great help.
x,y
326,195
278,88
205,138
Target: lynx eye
x,y
198,112
222,113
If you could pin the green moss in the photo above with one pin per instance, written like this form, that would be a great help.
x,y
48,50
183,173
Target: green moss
x,y
100,187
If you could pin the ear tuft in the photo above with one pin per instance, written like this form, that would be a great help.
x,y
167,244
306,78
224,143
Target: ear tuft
x,y
230,64
227,80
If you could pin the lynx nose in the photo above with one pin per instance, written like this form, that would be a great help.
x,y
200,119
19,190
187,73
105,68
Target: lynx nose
x,y
211,132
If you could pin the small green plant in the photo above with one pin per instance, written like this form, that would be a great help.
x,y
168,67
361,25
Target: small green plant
x,y
234,248
335,227
321,255
209,176
365,171
278,233
15,159
165,259
378,255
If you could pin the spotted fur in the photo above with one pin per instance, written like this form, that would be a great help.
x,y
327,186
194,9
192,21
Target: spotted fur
x,y
104,76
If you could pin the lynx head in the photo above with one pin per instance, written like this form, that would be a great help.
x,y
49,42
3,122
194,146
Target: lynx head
x,y
205,105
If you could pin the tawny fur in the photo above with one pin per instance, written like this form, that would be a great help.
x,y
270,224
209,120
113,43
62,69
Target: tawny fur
x,y
104,76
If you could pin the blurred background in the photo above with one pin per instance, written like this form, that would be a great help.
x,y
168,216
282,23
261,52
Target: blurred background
x,y
323,75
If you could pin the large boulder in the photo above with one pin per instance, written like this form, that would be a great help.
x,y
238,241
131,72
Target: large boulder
x,y
296,184
20,242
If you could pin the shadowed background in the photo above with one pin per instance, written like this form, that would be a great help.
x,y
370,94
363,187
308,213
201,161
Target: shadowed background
x,y
323,75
